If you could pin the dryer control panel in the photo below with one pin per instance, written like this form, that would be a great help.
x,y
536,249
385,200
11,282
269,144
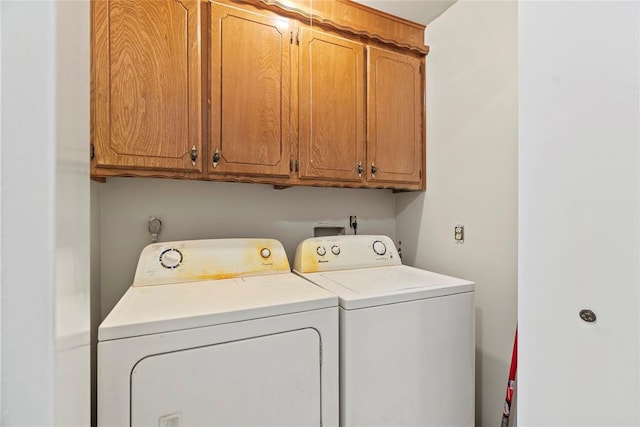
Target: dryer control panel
x,y
345,252
214,259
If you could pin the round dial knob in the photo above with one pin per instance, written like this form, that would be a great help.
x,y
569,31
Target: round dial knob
x,y
320,250
265,252
379,247
171,258
335,250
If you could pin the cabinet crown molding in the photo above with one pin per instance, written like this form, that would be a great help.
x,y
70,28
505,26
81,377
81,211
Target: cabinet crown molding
x,y
350,17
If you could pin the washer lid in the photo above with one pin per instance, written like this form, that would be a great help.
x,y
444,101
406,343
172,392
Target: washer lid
x,y
156,309
368,287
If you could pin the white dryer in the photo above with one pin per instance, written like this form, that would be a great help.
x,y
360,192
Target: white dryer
x,y
219,332
407,347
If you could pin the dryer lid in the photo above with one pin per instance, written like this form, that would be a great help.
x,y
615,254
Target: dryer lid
x,y
156,309
367,287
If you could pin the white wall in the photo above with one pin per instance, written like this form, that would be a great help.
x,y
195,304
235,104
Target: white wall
x,y
28,212
579,213
422,11
0,209
72,286
472,179
199,210
45,283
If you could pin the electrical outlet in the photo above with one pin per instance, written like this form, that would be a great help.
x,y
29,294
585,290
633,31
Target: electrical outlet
x,y
459,233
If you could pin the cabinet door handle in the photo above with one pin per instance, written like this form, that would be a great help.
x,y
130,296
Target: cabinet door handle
x,y
216,158
194,155
360,169
374,169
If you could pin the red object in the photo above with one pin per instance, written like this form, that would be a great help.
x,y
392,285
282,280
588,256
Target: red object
x,y
511,383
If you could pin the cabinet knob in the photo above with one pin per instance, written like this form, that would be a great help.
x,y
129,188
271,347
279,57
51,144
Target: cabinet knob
x,y
216,158
194,155
374,169
360,169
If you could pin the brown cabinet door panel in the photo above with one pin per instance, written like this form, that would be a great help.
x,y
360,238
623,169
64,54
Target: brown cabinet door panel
x,y
250,92
395,99
331,107
147,96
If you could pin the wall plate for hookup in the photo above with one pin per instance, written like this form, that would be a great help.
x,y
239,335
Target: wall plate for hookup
x,y
155,226
458,233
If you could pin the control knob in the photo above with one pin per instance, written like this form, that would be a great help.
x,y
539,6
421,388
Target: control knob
x,y
335,249
265,253
379,247
320,250
171,258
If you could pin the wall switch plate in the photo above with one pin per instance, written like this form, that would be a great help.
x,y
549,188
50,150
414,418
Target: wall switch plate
x,y
459,233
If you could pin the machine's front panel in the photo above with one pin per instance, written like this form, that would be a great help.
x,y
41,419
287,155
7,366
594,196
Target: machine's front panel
x,y
248,382
408,364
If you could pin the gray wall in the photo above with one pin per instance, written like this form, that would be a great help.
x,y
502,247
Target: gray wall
x,y
472,138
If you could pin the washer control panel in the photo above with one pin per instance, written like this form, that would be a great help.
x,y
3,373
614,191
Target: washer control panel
x,y
345,252
216,259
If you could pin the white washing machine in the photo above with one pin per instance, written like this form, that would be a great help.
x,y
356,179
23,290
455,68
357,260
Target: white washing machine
x,y
407,347
219,332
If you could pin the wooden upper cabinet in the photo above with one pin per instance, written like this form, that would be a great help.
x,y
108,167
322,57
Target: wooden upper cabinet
x,y
395,114
147,102
296,92
250,92
331,107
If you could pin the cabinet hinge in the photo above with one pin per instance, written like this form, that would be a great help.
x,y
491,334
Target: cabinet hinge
x,y
290,165
92,151
420,174
291,39
420,68
298,36
297,166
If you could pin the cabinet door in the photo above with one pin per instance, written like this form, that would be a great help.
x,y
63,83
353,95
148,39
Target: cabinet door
x,y
147,111
250,92
331,107
395,100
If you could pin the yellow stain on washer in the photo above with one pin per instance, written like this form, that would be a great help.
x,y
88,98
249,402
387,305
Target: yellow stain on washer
x,y
251,264
309,262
